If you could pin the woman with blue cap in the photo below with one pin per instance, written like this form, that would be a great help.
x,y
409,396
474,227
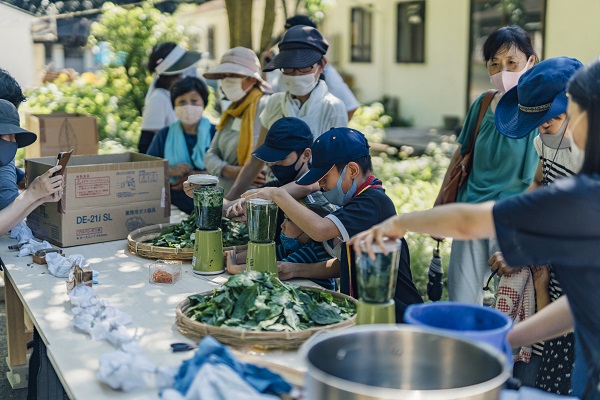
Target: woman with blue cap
x,y
540,100
569,240
501,167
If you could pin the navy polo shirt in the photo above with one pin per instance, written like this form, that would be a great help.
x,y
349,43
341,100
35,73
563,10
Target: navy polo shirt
x,y
560,224
369,208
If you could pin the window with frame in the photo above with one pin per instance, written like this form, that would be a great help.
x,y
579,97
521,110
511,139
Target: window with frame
x,y
360,35
210,46
410,39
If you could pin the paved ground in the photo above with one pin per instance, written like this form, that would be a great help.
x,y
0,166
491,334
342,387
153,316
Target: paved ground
x,y
6,392
417,138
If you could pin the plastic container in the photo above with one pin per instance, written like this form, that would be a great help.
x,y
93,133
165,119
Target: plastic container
x,y
479,323
377,278
166,272
262,220
208,201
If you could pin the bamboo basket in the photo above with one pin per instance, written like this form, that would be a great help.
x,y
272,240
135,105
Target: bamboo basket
x,y
136,245
263,340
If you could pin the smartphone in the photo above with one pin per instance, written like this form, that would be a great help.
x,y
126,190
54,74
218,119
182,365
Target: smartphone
x,y
62,159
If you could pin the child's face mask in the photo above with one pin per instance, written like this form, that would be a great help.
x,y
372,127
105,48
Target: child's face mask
x,y
336,195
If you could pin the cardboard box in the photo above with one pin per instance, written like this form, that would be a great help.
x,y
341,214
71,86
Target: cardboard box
x,y
106,197
93,225
61,132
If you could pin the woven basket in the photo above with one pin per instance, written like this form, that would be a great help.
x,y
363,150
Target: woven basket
x,y
263,340
136,245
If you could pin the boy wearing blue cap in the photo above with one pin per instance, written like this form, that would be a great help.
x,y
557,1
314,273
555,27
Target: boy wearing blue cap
x,y
287,152
540,101
341,167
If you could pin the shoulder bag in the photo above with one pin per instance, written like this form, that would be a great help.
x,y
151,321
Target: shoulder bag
x,y
459,172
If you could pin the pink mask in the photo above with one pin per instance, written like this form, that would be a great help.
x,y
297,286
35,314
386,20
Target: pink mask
x,y
506,80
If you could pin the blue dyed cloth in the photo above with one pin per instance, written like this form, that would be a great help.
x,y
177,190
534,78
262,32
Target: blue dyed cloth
x,y
211,351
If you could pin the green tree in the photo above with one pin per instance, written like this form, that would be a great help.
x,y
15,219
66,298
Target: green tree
x,y
132,33
115,95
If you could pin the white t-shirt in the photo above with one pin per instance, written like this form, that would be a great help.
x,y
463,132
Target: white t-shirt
x,y
335,83
321,112
158,111
555,163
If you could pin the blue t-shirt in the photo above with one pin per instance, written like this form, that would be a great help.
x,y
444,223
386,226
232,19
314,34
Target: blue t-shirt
x,y
369,208
8,184
560,224
157,149
502,167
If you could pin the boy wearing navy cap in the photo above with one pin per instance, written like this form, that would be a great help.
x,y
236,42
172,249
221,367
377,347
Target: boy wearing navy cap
x,y
341,167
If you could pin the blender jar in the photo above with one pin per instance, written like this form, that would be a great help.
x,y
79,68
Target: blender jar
x,y
377,278
208,201
262,220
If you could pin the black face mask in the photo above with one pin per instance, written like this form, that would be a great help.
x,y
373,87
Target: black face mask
x,y
7,152
286,173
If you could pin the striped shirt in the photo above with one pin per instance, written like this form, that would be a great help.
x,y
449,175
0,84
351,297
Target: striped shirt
x,y
556,163
311,252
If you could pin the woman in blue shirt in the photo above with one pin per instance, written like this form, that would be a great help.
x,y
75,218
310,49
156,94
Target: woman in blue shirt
x,y
185,141
569,238
502,167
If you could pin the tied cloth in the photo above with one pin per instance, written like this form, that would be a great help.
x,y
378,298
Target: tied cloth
x,y
516,298
176,149
246,109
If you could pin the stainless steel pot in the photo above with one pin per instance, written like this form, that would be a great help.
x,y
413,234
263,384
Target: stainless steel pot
x,y
402,362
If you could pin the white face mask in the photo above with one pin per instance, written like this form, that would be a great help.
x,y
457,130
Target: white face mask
x,y
506,80
300,85
189,114
232,88
577,152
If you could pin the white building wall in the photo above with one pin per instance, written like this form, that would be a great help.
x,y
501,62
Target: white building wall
x,y
573,29
16,45
426,91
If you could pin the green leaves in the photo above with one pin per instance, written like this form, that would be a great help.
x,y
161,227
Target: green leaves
x,y
183,234
261,302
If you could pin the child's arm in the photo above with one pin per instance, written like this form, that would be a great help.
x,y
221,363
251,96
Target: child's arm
x,y
232,261
321,270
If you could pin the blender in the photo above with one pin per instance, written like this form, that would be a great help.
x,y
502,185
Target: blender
x,y
377,283
208,206
261,217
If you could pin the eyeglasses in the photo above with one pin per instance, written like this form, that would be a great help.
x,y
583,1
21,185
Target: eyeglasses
x,y
305,70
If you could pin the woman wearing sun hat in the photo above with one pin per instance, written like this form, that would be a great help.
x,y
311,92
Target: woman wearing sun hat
x,y
167,62
44,188
238,130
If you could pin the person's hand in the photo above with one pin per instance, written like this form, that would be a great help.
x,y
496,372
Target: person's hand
x,y
46,187
237,211
182,169
390,228
285,270
178,184
189,191
267,193
260,179
541,277
498,265
231,264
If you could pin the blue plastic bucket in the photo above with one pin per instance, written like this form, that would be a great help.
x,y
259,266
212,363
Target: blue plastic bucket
x,y
483,324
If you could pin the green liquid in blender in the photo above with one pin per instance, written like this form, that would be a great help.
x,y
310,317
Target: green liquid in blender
x,y
208,203
262,221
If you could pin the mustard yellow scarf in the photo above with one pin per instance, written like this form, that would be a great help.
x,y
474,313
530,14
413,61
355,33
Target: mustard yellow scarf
x,y
246,109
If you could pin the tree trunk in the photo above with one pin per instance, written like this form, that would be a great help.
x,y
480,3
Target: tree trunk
x,y
268,23
239,16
